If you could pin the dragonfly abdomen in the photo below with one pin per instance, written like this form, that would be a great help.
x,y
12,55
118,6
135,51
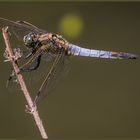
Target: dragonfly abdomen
x,y
79,51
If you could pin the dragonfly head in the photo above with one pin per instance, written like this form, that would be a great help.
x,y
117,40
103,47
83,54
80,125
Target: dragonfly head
x,y
30,40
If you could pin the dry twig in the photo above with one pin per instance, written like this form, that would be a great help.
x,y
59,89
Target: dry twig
x,y
31,107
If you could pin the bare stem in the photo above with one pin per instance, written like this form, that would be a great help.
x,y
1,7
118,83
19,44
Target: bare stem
x,y
31,106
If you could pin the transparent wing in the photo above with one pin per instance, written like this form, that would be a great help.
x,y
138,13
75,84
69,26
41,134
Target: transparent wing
x,y
20,28
60,69
34,79
17,30
36,76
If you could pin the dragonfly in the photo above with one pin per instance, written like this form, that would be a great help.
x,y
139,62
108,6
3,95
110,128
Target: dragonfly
x,y
56,50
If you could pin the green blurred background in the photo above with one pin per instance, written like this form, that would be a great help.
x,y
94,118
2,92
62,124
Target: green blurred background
x,y
100,98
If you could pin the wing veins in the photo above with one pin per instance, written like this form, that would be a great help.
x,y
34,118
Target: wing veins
x,y
47,78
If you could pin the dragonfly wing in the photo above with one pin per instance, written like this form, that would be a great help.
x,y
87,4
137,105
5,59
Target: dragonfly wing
x,y
20,28
58,71
36,77
25,67
17,32
31,26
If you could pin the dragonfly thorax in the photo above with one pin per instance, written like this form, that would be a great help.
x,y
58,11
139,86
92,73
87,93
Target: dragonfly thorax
x,y
30,40
53,43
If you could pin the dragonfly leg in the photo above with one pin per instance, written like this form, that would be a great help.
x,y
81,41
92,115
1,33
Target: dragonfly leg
x,y
34,67
28,55
34,60
10,78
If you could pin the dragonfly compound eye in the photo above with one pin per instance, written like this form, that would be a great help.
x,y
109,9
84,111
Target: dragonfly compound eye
x,y
29,40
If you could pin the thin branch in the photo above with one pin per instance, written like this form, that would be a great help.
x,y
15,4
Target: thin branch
x,y
32,108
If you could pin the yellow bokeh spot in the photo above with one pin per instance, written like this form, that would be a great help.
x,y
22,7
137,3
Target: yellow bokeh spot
x,y
71,25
